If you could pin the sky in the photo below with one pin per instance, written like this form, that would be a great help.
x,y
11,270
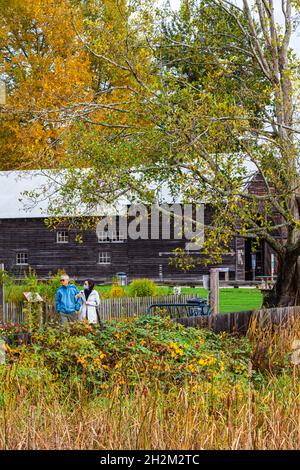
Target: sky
x,y
295,40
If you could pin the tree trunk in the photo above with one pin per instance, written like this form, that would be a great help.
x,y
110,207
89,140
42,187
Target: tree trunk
x,y
286,291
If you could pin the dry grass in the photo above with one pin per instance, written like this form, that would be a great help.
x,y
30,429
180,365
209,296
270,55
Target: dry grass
x,y
192,417
195,415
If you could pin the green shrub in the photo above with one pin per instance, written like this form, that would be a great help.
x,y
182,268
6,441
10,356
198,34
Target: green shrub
x,y
142,288
47,289
14,290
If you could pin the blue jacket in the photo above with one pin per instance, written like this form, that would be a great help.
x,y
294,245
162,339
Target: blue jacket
x,y
65,301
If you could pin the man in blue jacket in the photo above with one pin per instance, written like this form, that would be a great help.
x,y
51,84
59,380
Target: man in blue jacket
x,y
66,302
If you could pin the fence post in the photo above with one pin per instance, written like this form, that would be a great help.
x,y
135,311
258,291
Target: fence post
x,y
214,291
2,291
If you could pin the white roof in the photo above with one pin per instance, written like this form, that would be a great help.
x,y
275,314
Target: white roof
x,y
13,204
16,202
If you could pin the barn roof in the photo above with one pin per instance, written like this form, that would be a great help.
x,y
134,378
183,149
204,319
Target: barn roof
x,y
13,205
29,194
19,188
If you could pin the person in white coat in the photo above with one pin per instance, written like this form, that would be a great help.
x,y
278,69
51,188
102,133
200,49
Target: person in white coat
x,y
90,302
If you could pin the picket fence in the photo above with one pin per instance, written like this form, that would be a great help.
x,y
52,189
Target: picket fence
x,y
235,322
110,309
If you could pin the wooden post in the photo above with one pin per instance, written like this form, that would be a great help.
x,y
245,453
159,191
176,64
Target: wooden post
x,y
214,291
2,93
2,291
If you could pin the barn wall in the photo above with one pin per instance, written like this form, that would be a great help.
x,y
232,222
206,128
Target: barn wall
x,y
149,258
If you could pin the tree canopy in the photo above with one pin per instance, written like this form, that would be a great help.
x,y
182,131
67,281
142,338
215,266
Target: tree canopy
x,y
53,60
199,99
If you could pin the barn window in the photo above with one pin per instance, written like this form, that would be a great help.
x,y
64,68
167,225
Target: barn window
x,y
104,257
22,258
62,236
103,236
111,236
117,236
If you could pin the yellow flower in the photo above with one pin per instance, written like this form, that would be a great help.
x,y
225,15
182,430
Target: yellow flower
x,y
211,361
207,361
81,360
105,386
97,362
176,350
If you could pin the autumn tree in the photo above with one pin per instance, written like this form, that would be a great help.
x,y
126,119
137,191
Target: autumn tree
x,y
224,106
48,68
43,68
104,135
209,98
257,109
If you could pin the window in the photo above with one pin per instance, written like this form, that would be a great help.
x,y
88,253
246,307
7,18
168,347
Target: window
x,y
22,258
62,236
104,257
117,236
103,236
113,236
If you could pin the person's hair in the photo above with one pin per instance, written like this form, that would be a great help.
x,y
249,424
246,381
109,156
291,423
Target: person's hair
x,y
65,277
91,283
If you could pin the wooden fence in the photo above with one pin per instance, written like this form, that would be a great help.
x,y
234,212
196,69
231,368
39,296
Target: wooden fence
x,y
132,307
236,322
110,309
13,313
239,322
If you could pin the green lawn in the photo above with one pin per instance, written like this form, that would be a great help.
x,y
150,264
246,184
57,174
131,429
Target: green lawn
x,y
231,300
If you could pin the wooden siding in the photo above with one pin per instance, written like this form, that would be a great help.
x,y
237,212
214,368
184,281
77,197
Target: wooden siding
x,y
138,258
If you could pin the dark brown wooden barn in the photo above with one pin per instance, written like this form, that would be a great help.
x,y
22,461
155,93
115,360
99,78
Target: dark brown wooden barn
x,y
26,242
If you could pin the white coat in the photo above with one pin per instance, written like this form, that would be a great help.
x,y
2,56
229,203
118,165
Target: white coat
x,y
88,308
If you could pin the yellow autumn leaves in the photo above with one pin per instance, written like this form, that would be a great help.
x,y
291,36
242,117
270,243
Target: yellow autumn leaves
x,y
96,361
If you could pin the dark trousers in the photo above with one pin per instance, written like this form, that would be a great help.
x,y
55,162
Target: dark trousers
x,y
68,317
